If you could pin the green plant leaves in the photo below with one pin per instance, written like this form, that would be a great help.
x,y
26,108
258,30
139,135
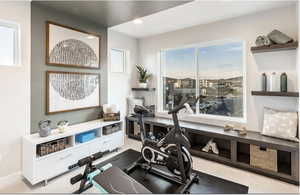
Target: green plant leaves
x,y
143,74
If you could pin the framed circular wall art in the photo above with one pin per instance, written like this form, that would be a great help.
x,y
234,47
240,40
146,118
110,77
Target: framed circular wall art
x,y
70,47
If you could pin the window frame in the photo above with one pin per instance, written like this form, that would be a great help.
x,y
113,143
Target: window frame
x,y
17,42
126,54
197,115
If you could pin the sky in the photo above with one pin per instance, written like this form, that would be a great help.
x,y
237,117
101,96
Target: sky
x,y
215,62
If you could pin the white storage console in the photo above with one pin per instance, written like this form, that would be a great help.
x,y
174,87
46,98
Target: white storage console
x,y
38,168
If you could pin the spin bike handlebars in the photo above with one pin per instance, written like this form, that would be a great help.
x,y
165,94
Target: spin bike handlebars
x,y
85,161
184,104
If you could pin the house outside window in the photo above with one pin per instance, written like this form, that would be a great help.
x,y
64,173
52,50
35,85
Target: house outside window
x,y
213,71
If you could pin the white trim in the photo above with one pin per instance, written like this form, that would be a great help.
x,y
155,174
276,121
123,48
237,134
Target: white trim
x,y
205,44
243,119
17,42
11,178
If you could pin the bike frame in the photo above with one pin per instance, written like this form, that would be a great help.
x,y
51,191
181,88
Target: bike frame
x,y
175,136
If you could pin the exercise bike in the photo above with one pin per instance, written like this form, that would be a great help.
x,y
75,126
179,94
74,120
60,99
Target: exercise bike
x,y
106,179
172,151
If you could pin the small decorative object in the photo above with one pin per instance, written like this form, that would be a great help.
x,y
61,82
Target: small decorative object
x,y
263,41
211,146
70,47
143,76
243,131
228,127
62,126
240,128
279,38
69,91
273,86
45,128
264,82
283,82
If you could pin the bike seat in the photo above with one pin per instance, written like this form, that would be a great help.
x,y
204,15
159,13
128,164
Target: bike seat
x,y
141,110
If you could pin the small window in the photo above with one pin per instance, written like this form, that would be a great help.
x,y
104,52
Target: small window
x,y
118,60
9,47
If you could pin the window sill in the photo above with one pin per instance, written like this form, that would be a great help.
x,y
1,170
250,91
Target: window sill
x,y
206,119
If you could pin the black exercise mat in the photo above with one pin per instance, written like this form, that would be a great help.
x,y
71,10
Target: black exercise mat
x,y
208,184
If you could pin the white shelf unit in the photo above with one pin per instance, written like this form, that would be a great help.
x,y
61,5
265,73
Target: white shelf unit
x,y
42,168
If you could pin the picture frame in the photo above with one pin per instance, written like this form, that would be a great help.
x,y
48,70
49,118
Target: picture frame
x,y
71,91
63,43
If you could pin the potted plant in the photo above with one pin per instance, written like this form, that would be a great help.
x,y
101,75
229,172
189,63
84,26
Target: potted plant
x,y
143,76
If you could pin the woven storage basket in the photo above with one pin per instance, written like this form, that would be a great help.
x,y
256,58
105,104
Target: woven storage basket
x,y
263,158
111,116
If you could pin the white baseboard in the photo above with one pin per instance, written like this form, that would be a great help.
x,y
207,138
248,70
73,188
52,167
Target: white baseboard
x,y
12,178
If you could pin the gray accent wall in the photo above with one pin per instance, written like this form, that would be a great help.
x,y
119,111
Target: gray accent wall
x,y
39,16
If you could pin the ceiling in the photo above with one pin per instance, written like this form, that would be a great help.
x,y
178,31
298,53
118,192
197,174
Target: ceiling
x,y
195,13
109,13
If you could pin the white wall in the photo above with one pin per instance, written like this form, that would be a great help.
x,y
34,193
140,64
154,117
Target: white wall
x,y
298,57
245,28
15,93
119,84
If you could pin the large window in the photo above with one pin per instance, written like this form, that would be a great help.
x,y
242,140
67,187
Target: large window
x,y
9,44
214,71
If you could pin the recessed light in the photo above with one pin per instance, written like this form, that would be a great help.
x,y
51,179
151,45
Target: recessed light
x,y
137,21
90,37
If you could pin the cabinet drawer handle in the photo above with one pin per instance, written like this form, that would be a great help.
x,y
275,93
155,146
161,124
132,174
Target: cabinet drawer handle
x,y
105,142
67,156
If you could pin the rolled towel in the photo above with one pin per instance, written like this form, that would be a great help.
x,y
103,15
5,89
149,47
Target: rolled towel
x,y
263,41
279,38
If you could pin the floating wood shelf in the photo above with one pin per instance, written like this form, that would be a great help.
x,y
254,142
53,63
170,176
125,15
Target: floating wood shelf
x,y
275,93
275,47
143,89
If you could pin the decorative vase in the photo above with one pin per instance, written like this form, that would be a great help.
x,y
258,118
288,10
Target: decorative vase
x,y
273,86
283,82
264,82
62,126
143,85
45,128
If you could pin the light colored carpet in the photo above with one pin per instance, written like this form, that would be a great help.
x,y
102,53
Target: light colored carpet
x,y
256,183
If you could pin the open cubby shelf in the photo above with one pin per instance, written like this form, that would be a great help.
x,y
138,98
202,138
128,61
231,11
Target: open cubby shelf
x,y
234,150
199,141
197,151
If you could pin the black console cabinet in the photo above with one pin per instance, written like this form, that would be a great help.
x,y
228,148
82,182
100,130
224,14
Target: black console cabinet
x,y
233,148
